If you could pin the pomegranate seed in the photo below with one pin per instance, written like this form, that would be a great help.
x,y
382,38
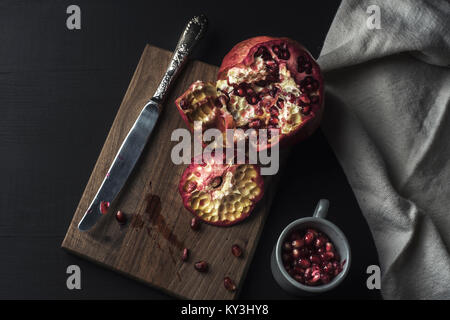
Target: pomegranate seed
x,y
291,98
314,280
183,104
304,252
274,111
328,268
255,124
201,266
304,263
304,65
252,99
185,255
329,246
287,246
195,224
104,206
306,110
308,273
259,111
280,103
298,243
314,99
315,259
295,253
309,84
320,241
239,91
120,217
273,121
304,99
229,284
273,92
236,250
320,250
309,237
328,255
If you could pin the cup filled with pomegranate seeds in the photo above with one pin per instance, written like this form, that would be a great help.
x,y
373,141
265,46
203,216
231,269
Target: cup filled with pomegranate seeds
x,y
311,255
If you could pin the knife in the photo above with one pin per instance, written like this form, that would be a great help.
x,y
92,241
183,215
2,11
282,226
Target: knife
x,y
137,137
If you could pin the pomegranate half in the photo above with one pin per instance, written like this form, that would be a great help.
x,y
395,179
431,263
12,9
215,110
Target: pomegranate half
x,y
263,83
220,193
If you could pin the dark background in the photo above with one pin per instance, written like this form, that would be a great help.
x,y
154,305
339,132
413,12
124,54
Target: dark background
x,y
59,92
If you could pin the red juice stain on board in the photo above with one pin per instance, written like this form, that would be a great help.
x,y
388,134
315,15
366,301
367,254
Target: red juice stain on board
x,y
153,210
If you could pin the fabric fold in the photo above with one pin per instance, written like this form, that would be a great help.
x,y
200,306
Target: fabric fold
x,y
387,120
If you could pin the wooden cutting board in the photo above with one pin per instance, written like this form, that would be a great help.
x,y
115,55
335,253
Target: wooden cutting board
x,y
149,247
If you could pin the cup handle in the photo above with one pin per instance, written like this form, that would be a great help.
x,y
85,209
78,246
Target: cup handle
x,y
321,209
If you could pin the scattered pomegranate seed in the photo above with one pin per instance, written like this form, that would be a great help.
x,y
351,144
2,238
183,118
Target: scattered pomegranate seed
x,y
195,224
236,250
185,255
229,284
104,206
121,217
201,266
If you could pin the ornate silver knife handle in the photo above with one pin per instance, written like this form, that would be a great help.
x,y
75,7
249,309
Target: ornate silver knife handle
x,y
136,139
194,31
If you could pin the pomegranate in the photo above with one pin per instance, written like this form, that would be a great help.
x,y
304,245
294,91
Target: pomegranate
x,y
263,83
220,193
310,258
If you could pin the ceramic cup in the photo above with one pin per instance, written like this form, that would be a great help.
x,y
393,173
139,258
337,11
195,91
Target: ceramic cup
x,y
318,222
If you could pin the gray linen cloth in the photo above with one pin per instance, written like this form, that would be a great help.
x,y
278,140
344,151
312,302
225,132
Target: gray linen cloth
x,y
387,118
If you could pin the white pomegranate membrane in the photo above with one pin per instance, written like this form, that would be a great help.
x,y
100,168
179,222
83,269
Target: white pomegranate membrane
x,y
310,257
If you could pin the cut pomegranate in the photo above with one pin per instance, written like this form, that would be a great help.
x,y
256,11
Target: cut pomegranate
x,y
310,258
263,83
226,203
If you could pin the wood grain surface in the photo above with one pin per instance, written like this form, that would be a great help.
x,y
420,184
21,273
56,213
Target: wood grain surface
x,y
149,247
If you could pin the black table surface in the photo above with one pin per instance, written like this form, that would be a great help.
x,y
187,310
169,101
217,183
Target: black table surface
x,y
59,92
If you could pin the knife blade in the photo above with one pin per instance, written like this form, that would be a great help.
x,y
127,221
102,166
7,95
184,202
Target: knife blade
x,y
136,139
